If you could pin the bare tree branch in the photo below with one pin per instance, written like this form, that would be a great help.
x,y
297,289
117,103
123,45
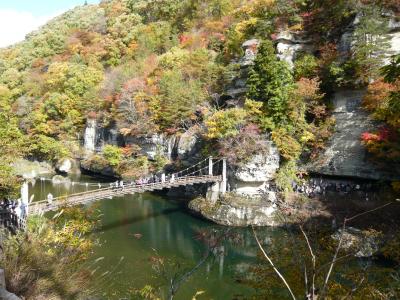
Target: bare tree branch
x,y
272,264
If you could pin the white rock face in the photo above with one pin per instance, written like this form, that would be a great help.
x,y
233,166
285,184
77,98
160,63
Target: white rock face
x,y
90,135
155,144
261,167
288,45
394,43
65,165
346,43
253,179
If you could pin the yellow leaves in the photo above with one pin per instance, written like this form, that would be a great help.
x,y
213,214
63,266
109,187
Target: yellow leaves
x,y
255,6
307,137
288,147
296,27
225,123
176,57
242,27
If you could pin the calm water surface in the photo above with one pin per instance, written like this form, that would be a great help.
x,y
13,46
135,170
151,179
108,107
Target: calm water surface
x,y
137,228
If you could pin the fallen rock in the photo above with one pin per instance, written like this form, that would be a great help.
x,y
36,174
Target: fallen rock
x,y
363,243
236,211
58,179
68,166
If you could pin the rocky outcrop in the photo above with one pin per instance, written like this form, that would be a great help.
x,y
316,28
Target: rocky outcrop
x,y
155,144
289,44
346,42
256,176
68,166
362,243
237,89
237,211
345,155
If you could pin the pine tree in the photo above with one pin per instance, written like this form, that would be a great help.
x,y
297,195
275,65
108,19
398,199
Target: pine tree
x,y
271,81
370,41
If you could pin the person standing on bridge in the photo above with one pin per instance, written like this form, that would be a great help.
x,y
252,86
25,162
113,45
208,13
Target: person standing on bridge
x,y
50,198
121,184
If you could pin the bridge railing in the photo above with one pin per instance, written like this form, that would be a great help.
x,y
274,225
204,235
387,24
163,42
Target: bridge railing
x,y
201,170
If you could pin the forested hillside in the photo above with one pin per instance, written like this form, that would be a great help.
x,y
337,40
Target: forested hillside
x,y
161,66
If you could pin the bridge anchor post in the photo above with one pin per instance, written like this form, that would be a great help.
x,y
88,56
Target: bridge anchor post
x,y
224,177
210,166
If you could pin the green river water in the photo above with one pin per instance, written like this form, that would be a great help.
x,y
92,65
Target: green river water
x,y
136,228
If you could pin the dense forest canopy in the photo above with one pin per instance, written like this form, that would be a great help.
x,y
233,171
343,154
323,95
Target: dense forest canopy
x,y
156,66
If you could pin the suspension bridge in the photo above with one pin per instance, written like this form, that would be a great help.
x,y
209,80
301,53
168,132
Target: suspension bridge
x,y
209,170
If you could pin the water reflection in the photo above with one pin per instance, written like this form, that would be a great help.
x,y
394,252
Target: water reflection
x,y
136,227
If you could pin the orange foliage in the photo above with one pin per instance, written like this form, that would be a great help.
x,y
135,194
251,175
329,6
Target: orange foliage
x,y
377,96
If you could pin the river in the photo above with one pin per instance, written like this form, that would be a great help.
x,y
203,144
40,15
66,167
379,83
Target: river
x,y
136,230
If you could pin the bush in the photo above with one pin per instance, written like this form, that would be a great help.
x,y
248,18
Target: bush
x,y
134,168
225,123
306,66
48,148
47,261
113,155
95,163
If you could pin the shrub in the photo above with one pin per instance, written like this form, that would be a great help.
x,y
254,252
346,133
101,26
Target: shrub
x,y
306,66
112,154
134,168
39,261
225,123
288,146
95,163
48,148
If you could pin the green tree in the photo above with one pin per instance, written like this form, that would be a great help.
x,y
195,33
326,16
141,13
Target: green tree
x,y
178,99
370,41
271,82
113,155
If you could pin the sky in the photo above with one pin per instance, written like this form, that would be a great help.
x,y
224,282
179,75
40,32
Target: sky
x,y
19,17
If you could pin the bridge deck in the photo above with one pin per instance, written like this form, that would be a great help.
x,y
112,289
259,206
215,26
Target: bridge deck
x,y
110,192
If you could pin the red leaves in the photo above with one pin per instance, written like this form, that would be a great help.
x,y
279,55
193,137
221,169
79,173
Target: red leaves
x,y
384,134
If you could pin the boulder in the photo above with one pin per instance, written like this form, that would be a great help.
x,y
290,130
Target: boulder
x,y
68,166
236,211
363,243
58,179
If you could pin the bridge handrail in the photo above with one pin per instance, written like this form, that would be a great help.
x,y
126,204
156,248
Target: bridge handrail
x,y
130,186
127,187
